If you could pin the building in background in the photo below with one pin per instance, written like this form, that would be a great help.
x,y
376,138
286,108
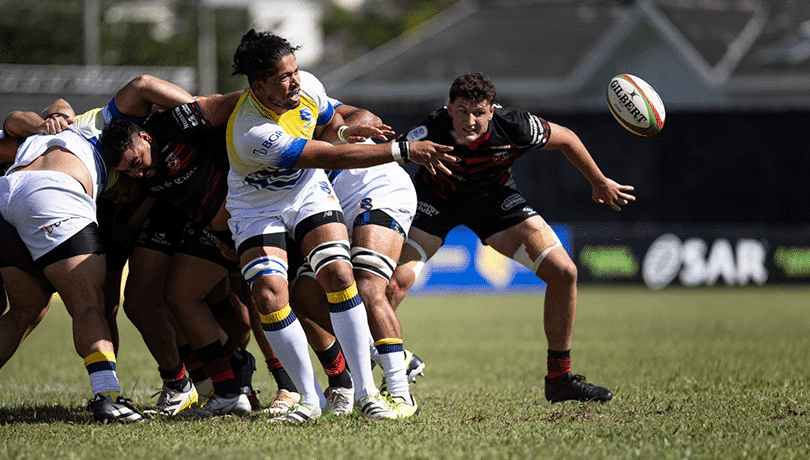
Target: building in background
x,y
721,190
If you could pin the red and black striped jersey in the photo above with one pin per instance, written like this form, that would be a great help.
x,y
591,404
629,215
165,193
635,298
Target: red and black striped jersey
x,y
484,164
193,167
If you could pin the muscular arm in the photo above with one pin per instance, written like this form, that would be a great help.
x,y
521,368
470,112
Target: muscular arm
x,y
321,154
8,150
605,190
328,132
357,116
23,124
361,123
138,97
218,107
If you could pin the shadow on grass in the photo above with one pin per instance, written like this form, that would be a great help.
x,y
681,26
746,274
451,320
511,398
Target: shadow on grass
x,y
30,414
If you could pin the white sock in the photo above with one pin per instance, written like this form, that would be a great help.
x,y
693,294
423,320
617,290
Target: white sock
x,y
375,356
292,349
396,381
350,323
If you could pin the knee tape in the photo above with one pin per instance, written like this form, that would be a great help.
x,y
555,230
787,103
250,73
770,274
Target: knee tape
x,y
420,264
374,262
264,265
536,247
326,253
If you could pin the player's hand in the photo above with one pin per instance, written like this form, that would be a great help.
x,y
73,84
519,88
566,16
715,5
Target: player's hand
x,y
359,133
613,194
228,252
55,124
431,155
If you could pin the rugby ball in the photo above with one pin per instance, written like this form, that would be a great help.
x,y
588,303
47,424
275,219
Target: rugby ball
x,y
635,105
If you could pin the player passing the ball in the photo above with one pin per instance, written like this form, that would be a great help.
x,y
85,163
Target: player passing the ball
x,y
481,194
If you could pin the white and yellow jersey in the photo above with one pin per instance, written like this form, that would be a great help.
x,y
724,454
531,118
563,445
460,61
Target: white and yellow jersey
x,y
263,147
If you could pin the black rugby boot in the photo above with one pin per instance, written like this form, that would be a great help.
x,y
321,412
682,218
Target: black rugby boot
x,y
571,387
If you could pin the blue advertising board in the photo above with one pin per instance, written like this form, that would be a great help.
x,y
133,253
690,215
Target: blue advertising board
x,y
463,264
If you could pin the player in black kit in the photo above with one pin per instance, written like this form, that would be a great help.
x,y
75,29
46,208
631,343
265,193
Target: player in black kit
x,y
481,194
179,155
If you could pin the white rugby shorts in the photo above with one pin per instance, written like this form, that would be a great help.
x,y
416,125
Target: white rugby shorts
x,y
386,187
46,208
288,207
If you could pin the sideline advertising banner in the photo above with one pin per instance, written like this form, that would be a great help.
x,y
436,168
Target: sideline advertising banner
x,y
654,255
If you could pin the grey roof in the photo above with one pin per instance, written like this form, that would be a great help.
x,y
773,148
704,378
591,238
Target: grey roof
x,y
749,54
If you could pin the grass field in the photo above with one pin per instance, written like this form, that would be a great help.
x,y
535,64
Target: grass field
x,y
698,374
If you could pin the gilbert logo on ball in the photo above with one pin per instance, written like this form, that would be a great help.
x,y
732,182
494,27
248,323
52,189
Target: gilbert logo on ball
x,y
635,105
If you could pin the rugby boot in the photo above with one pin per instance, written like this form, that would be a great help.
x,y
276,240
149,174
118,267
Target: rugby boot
x,y
570,387
105,410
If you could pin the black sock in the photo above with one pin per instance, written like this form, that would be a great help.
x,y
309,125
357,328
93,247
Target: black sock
x,y
334,364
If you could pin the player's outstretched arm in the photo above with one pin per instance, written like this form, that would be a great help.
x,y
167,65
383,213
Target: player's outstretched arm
x,y
142,93
605,191
320,154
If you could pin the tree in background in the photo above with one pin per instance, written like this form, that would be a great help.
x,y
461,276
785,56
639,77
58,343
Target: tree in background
x,y
49,32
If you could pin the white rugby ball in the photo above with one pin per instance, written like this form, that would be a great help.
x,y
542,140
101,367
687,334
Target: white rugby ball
x,y
635,105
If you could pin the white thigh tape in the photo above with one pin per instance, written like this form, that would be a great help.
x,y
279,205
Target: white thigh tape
x,y
326,253
374,262
264,265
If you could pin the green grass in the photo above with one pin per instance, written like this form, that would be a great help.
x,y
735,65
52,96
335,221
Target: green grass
x,y
698,374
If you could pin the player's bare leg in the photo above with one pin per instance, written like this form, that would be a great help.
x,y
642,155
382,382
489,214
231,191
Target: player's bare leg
x,y
416,251
29,298
143,304
327,251
189,281
266,267
287,395
310,305
375,252
534,244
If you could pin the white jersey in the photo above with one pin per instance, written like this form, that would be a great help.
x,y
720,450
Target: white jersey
x,y
80,142
48,207
263,146
265,194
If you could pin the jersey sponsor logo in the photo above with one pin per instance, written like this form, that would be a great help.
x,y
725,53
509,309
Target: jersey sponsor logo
x,y
512,201
426,209
271,139
365,204
273,180
176,181
418,133
186,117
160,238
